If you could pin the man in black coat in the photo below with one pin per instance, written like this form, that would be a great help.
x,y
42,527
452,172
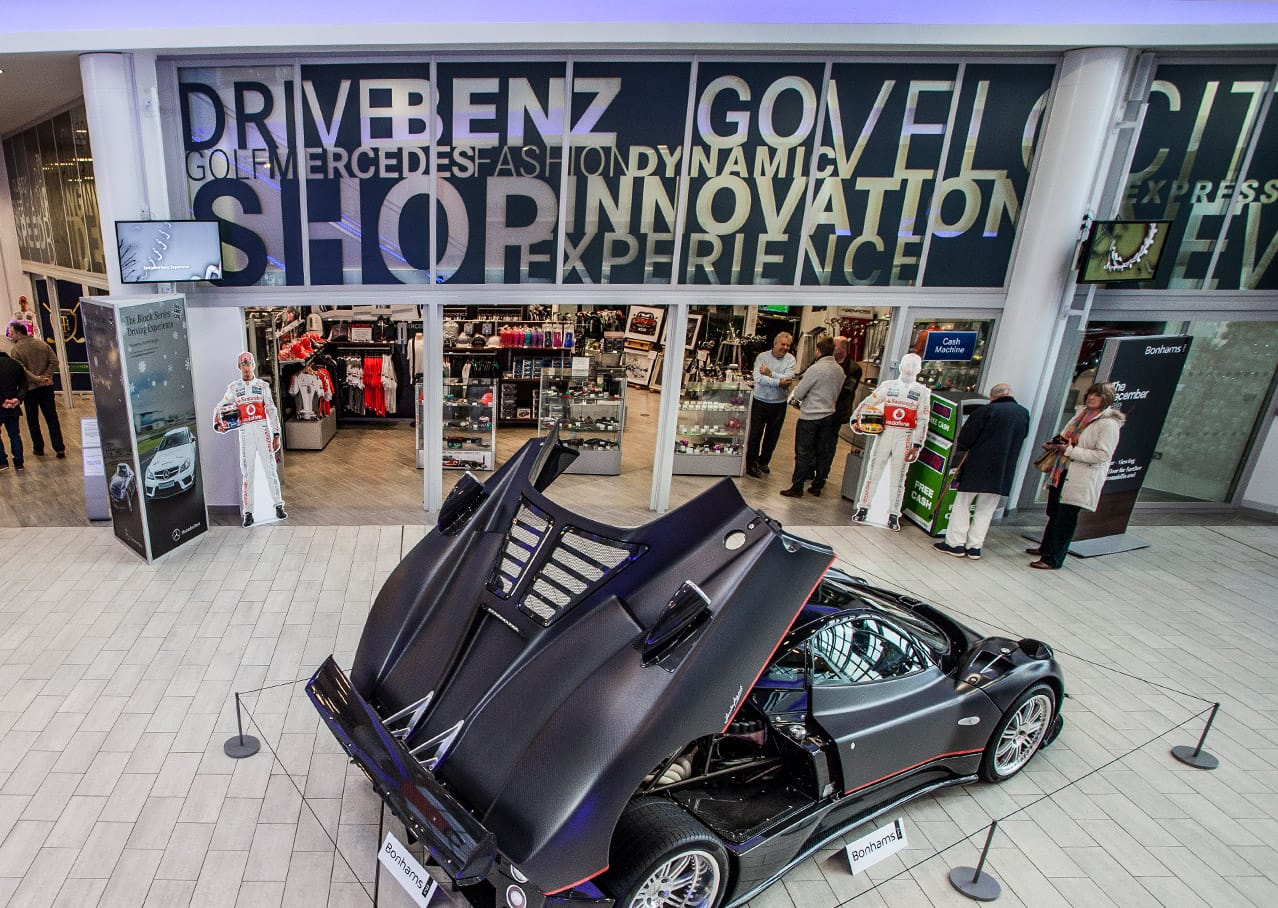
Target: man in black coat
x,y
986,450
13,389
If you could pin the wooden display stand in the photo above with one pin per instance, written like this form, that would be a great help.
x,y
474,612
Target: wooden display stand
x,y
310,434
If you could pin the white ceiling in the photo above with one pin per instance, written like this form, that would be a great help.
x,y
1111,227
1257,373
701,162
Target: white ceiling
x,y
34,85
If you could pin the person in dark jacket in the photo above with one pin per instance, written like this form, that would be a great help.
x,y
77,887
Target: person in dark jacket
x,y
986,450
13,390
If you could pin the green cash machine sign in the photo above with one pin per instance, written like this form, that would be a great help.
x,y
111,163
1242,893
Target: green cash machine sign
x,y
923,487
944,417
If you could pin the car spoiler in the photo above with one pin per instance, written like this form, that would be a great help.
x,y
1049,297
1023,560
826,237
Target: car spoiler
x,y
456,839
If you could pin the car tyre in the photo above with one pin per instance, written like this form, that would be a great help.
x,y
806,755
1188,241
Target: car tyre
x,y
1022,731
661,856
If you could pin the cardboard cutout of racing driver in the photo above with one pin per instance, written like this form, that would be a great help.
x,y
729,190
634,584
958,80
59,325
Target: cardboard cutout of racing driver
x,y
905,405
247,407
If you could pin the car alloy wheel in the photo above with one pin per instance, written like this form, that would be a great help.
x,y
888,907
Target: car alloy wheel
x,y
663,857
687,880
1020,734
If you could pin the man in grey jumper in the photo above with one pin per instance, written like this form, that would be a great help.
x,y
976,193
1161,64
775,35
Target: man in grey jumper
x,y
816,437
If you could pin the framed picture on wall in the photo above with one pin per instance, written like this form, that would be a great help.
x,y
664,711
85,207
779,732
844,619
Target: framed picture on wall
x,y
639,365
644,323
694,331
654,383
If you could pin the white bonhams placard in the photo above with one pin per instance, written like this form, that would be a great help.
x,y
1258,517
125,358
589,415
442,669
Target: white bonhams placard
x,y
406,871
868,850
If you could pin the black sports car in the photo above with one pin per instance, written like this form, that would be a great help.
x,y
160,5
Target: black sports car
x,y
570,713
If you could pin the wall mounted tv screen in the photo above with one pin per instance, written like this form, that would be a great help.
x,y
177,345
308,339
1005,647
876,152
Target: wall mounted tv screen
x,y
161,252
1119,252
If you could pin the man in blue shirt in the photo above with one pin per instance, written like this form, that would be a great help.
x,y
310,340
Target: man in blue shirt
x,y
773,375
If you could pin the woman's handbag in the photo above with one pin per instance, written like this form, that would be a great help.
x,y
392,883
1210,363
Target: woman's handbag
x,y
1045,461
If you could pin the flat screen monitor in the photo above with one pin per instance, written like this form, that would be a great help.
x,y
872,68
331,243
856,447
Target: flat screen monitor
x,y
1119,252
161,252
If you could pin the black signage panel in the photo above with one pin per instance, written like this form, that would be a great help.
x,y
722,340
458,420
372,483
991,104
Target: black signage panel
x,y
366,131
623,171
875,171
749,166
1145,372
1187,165
241,168
500,154
996,128
111,404
1249,257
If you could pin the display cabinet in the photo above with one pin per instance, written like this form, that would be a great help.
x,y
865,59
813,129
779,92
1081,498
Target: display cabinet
x,y
590,407
470,436
713,422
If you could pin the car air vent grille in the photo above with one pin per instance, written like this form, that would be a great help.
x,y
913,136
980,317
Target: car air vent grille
x,y
576,566
523,539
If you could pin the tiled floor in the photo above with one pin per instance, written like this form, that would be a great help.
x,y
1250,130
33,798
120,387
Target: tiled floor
x,y
117,681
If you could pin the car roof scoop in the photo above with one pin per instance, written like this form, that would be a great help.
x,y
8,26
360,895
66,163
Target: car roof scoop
x,y
680,623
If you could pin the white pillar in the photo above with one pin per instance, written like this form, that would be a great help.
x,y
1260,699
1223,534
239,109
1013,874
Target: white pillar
x,y
216,337
1066,179
120,158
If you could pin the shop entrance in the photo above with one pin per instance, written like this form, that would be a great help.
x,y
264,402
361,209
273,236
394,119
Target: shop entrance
x,y
343,379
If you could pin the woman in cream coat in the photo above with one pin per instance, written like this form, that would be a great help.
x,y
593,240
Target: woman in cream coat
x,y
1083,451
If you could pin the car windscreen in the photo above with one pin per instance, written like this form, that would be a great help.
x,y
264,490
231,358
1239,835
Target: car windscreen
x,y
834,592
174,441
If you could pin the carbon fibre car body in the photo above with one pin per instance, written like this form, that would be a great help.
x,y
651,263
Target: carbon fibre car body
x,y
530,685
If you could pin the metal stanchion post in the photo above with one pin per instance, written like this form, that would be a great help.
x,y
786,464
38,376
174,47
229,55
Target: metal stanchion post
x,y
1196,756
242,745
972,882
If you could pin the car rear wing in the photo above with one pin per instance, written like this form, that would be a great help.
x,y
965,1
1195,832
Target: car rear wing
x,y
461,844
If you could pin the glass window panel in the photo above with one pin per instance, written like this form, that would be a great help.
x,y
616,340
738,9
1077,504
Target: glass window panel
x,y
951,375
73,214
88,189
1209,428
51,174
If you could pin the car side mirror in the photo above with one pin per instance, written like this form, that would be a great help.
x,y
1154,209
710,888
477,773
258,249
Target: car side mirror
x,y
467,493
681,621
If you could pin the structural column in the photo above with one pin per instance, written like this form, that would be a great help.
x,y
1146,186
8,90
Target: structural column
x,y
1071,154
1069,172
120,156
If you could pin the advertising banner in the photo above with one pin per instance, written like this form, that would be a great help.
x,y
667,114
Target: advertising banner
x,y
876,201
485,158
110,398
1187,169
623,172
157,367
1145,372
140,362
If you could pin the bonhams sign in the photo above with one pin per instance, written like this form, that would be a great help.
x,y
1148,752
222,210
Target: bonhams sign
x,y
661,172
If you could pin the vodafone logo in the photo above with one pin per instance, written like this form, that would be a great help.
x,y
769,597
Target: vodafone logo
x,y
898,417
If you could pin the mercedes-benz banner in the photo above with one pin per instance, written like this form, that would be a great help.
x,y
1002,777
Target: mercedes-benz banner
x,y
139,357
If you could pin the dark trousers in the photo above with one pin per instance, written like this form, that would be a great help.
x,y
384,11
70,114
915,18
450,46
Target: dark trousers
x,y
44,400
9,421
815,441
765,429
1062,520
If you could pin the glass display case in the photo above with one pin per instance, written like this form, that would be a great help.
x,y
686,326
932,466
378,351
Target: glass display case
x,y
590,407
470,435
713,422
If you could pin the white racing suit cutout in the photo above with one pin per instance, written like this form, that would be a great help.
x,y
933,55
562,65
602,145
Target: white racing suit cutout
x,y
257,422
906,406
